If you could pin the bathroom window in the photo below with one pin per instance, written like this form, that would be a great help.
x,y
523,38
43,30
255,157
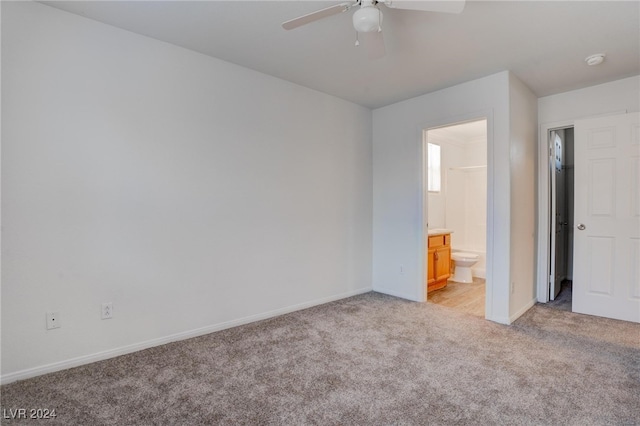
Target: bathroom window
x,y
433,167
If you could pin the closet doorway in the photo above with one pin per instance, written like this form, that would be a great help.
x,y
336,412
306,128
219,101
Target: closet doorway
x,y
561,178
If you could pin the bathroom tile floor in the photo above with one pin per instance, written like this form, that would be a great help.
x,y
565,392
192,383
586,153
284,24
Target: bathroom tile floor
x,y
465,297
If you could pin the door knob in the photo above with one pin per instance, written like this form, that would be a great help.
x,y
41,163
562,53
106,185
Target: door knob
x,y
581,226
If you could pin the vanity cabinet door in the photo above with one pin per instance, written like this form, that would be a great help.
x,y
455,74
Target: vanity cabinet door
x,y
431,275
442,263
438,261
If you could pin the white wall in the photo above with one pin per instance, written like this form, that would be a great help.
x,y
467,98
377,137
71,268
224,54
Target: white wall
x,y
397,180
523,125
616,96
192,193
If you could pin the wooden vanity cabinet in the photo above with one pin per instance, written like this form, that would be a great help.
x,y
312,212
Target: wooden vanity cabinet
x,y
438,261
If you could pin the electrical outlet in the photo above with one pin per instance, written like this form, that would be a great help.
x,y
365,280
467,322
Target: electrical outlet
x,y
107,310
53,320
401,269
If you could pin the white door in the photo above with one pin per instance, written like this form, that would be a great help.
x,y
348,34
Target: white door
x,y
607,217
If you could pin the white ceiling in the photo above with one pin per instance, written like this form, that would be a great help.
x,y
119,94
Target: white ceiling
x,y
543,43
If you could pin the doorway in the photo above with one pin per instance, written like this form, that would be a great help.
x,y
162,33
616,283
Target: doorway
x,y
456,205
561,178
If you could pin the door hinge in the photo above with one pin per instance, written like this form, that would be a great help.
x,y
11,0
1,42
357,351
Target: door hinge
x,y
550,279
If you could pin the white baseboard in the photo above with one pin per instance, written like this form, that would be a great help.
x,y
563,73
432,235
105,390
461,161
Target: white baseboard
x,y
99,356
516,315
522,310
396,294
500,320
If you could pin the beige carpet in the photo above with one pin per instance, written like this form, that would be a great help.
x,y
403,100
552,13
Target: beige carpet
x,y
367,360
564,299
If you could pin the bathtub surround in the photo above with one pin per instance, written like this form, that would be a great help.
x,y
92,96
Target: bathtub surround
x,y
466,207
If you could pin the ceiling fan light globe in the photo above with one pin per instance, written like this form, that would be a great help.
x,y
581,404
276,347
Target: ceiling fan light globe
x,y
367,19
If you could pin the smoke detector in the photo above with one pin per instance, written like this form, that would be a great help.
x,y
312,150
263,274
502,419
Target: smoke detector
x,y
596,59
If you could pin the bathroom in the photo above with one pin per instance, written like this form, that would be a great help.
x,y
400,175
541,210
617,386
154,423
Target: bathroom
x,y
457,203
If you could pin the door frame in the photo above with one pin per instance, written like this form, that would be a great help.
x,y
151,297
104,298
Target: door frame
x,y
423,201
544,206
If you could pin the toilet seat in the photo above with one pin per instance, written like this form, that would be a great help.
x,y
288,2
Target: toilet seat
x,y
462,256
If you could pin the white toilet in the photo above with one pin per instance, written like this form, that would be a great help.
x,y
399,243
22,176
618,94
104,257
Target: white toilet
x,y
464,262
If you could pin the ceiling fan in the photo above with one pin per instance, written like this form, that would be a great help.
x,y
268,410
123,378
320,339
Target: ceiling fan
x,y
367,19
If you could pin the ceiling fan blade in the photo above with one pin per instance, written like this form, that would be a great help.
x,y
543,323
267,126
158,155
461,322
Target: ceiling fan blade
x,y
447,6
374,43
314,16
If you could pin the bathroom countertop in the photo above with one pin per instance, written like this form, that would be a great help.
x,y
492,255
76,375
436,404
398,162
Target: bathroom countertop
x,y
439,231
